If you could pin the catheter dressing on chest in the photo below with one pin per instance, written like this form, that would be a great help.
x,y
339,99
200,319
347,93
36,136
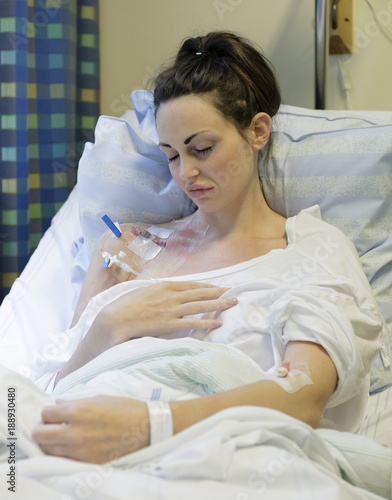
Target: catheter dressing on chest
x,y
153,253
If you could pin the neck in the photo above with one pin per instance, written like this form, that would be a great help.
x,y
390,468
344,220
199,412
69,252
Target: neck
x,y
249,217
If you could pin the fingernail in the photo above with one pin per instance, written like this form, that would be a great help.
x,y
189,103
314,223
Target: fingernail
x,y
233,301
217,323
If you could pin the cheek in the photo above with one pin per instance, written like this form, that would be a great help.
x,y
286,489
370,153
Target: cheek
x,y
235,167
174,173
225,171
232,163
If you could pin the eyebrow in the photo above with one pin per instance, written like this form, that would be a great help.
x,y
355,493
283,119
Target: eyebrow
x,y
187,141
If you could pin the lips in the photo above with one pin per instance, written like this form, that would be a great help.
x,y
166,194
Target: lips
x,y
196,190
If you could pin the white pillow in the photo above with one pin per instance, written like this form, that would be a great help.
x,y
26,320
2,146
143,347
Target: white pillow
x,y
340,160
343,162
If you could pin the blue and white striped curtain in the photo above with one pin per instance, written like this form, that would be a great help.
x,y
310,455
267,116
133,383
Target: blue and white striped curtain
x,y
49,104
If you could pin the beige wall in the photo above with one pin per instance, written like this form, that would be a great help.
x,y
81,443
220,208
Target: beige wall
x,y
137,36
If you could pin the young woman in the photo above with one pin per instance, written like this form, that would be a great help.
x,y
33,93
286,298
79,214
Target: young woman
x,y
300,278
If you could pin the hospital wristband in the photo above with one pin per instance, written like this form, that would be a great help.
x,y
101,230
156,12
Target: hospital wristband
x,y
161,421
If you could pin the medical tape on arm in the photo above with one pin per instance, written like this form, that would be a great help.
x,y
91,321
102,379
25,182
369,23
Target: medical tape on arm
x,y
291,376
153,253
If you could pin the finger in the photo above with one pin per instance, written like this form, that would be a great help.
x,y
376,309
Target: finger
x,y
54,414
59,450
180,286
201,294
64,450
50,434
206,306
199,324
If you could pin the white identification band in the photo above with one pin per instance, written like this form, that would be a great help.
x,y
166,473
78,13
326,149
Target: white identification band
x,y
161,421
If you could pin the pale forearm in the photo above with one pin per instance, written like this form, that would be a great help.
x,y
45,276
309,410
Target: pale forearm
x,y
301,405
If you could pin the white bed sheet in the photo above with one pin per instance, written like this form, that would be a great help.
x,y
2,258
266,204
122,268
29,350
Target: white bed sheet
x,y
40,307
378,421
241,453
41,301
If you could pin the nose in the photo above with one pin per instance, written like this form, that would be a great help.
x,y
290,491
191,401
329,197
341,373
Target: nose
x,y
188,169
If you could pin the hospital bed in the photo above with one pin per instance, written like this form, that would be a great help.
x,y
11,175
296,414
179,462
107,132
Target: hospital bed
x,y
340,160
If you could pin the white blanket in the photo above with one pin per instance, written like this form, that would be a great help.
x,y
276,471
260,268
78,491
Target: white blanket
x,y
241,453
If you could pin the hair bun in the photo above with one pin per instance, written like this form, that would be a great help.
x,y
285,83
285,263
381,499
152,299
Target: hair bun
x,y
217,44
235,74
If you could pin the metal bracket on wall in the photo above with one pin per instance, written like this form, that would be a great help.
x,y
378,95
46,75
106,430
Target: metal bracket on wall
x,y
341,34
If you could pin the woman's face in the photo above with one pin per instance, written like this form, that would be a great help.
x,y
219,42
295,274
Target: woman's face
x,y
208,158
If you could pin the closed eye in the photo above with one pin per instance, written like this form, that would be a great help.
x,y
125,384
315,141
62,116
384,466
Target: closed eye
x,y
200,152
173,158
204,151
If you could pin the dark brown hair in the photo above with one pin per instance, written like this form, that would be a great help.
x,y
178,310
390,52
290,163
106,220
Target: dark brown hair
x,y
234,74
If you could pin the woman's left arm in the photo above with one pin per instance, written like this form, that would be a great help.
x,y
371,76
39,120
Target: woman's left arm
x,y
102,428
307,404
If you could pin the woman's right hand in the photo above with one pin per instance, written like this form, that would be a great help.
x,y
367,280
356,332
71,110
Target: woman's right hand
x,y
162,308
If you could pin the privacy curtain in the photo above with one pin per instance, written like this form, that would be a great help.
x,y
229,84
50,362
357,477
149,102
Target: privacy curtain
x,y
49,104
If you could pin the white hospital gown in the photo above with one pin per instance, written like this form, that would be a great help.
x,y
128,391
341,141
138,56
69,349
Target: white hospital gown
x,y
313,290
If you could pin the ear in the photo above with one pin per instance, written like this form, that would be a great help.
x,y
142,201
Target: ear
x,y
260,128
